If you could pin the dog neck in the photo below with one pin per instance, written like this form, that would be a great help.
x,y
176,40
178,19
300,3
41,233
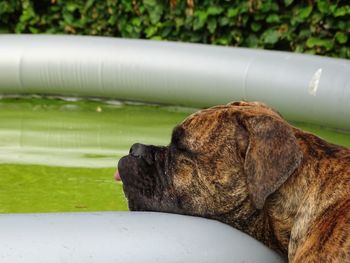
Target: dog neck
x,y
256,223
291,211
280,212
273,224
259,224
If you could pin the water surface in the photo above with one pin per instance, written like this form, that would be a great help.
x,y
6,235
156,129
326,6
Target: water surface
x,y
59,155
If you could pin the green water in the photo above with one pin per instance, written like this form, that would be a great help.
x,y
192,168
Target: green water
x,y
41,188
60,155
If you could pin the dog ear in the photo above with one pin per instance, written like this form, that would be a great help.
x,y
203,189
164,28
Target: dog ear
x,y
272,156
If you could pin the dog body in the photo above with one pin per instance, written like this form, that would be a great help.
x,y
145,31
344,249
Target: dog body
x,y
243,165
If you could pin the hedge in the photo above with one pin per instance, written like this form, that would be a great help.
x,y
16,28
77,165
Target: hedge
x,y
314,26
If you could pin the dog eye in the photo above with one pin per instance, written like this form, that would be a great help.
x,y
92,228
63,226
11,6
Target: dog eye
x,y
180,147
176,147
185,150
186,162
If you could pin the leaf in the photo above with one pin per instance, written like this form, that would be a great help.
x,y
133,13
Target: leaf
x,y
265,6
129,28
288,2
342,11
149,3
179,22
167,29
88,5
200,19
273,18
237,35
195,37
316,18
155,10
323,6
310,51
259,17
136,21
304,13
157,38
232,12
71,6
343,25
333,7
4,30
222,41
299,48
112,20
150,31
252,41
223,21
211,25
304,33
33,30
271,36
5,8
275,7
255,26
67,16
318,42
341,38
214,10
342,52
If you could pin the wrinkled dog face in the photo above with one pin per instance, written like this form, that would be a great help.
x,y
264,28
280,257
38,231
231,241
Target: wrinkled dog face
x,y
191,175
205,169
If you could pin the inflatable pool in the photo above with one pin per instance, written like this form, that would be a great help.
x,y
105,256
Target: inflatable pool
x,y
124,237
302,87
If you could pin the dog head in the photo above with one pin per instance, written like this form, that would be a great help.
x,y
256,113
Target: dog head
x,y
221,161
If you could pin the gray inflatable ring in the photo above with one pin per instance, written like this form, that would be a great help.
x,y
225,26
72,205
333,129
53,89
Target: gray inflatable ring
x,y
125,237
304,88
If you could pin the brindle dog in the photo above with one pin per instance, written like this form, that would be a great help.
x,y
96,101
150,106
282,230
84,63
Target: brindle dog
x,y
243,165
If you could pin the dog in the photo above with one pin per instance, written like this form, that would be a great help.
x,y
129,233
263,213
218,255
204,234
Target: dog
x,y
244,165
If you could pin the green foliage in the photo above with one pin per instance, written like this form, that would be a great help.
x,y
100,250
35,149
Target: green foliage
x,y
314,26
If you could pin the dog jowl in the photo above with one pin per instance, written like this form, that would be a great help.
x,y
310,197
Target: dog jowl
x,y
243,165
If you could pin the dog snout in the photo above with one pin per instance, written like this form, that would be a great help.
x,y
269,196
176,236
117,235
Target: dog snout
x,y
138,150
142,151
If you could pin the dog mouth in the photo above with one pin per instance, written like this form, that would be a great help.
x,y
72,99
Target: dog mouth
x,y
142,177
117,176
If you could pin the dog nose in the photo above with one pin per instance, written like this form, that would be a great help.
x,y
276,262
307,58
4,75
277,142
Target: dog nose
x,y
142,151
138,150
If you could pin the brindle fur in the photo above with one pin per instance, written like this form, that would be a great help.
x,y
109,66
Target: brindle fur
x,y
242,164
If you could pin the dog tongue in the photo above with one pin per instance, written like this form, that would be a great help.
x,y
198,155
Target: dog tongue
x,y
117,176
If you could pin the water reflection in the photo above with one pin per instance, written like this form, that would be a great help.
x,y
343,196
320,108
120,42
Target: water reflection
x,y
79,133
